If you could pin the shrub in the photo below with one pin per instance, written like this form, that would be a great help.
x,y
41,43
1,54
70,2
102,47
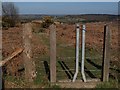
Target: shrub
x,y
9,14
47,21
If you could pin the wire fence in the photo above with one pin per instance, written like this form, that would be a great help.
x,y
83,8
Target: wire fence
x,y
93,57
65,67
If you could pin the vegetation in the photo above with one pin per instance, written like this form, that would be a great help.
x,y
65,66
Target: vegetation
x,y
69,19
47,21
65,58
72,19
111,84
10,14
38,29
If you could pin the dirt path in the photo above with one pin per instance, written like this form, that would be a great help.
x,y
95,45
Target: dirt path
x,y
79,84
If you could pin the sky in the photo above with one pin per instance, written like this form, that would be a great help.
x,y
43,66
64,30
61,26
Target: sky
x,y
61,8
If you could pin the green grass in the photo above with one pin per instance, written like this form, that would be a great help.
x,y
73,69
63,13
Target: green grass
x,y
1,57
93,61
64,52
55,87
45,39
69,51
42,78
41,73
18,81
111,84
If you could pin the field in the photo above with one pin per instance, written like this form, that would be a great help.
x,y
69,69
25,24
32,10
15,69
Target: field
x,y
66,36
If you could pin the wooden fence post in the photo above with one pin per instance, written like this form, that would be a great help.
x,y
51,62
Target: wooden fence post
x,y
106,54
52,53
118,31
30,72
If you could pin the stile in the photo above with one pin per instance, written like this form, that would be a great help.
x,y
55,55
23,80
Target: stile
x,y
106,54
52,53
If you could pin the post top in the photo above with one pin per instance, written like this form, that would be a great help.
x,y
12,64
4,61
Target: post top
x,y
83,26
77,25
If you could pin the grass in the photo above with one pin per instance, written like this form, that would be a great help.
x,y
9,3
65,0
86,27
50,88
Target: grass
x,y
19,82
111,84
44,38
55,87
93,61
41,73
1,56
65,52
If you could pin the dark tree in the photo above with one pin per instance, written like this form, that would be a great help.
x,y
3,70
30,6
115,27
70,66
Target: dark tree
x,y
9,14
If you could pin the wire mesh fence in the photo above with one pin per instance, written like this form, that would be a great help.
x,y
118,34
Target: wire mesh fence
x,y
65,65
93,57
66,52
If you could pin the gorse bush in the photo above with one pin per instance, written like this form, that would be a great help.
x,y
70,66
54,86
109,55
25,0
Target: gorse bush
x,y
47,21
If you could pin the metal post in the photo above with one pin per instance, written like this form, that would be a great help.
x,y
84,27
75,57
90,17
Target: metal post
x,y
77,53
83,53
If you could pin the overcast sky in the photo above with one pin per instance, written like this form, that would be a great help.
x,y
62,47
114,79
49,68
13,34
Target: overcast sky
x,y
67,7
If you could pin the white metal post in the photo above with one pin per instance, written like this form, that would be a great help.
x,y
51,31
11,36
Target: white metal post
x,y
77,52
83,53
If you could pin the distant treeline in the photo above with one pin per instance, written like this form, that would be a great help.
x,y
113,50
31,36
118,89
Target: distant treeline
x,y
96,17
72,18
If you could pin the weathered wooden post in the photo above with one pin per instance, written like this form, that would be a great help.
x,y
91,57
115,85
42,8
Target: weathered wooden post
x,y
106,54
30,72
52,53
119,30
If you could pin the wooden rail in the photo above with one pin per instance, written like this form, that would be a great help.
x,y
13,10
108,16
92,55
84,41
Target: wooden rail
x,y
15,53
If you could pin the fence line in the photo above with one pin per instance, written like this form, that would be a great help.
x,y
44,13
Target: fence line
x,y
66,58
